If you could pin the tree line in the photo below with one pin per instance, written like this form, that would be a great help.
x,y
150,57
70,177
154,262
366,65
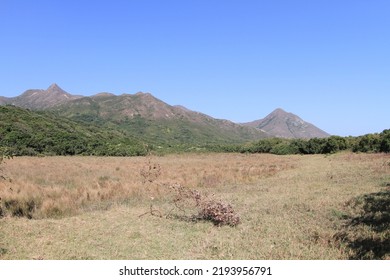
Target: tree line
x,y
369,143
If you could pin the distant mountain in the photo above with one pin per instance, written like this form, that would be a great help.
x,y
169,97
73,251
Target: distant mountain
x,y
144,116
282,124
147,117
40,99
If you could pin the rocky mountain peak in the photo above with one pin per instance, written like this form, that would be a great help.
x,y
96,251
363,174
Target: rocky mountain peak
x,y
42,99
280,123
54,88
279,111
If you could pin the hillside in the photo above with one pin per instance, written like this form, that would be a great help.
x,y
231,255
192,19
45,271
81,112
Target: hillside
x,y
282,124
3,100
144,116
27,132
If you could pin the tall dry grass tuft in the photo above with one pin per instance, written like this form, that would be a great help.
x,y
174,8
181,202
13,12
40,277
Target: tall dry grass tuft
x,y
45,191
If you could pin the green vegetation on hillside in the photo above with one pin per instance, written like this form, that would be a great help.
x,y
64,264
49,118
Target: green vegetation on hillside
x,y
147,118
25,132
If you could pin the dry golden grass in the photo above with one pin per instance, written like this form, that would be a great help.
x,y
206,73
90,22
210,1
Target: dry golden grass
x,y
291,207
58,186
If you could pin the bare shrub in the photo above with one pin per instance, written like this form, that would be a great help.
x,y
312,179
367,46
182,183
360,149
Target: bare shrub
x,y
189,204
194,206
218,212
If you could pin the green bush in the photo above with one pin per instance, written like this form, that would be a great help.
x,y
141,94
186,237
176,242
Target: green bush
x,y
385,141
367,143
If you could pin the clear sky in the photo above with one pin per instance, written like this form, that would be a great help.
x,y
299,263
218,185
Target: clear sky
x,y
327,61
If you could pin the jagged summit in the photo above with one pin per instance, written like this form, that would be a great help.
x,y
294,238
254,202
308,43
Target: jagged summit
x,y
42,99
55,89
53,86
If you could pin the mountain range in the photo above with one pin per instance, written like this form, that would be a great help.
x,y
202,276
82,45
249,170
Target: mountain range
x,y
144,116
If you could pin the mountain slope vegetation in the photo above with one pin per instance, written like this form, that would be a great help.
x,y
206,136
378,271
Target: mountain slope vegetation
x,y
26,132
146,117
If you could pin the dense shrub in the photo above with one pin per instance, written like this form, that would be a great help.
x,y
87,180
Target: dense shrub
x,y
367,143
385,141
334,144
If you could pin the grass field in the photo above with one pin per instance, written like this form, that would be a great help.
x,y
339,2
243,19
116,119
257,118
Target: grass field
x,y
290,207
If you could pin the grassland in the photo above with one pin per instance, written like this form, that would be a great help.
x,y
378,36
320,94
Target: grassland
x,y
290,207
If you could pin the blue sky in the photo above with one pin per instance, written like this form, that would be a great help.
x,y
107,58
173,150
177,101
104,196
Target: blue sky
x,y
326,61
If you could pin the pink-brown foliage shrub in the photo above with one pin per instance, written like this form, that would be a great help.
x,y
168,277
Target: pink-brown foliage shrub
x,y
189,201
220,213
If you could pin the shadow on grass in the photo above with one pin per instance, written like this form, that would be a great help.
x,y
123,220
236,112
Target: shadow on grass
x,y
367,233
3,251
